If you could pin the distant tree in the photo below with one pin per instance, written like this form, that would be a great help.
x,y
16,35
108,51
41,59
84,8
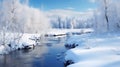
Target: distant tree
x,y
59,22
72,23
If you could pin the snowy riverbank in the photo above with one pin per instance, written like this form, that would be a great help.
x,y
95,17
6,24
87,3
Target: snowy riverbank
x,y
94,50
30,39
25,40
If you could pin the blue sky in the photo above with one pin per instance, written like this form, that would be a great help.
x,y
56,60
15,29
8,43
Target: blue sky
x,y
77,5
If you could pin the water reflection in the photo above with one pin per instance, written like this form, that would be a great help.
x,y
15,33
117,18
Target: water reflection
x,y
50,54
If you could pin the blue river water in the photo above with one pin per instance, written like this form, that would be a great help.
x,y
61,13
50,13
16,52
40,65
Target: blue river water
x,y
47,54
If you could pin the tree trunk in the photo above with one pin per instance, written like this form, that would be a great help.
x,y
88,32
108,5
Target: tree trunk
x,y
106,16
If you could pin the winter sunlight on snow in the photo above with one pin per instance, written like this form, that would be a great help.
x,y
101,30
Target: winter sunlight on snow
x,y
59,33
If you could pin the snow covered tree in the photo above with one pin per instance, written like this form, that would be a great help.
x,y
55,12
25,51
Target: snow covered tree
x,y
35,20
11,25
106,13
107,16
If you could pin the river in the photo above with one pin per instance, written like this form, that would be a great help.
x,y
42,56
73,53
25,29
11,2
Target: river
x,y
47,54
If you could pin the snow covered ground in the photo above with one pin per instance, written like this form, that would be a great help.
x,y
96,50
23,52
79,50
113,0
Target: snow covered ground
x,y
94,50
